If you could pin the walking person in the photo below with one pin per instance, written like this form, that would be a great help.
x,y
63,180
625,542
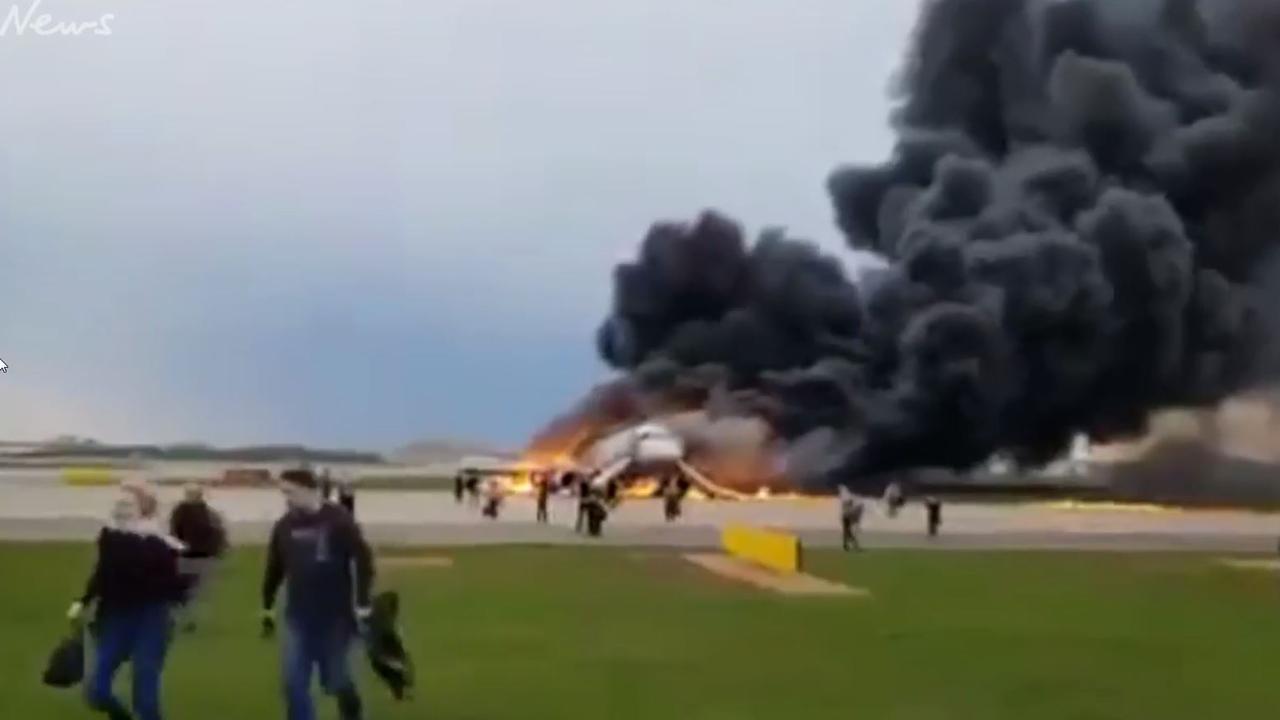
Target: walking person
x,y
583,488
596,512
200,529
851,510
347,495
326,485
319,553
473,488
611,496
542,485
493,492
459,486
672,493
135,585
893,498
933,509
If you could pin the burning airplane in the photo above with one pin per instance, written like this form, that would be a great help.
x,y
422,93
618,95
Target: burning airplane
x,y
1075,229
641,453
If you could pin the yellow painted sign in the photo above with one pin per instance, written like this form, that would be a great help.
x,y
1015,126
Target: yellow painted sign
x,y
772,549
89,476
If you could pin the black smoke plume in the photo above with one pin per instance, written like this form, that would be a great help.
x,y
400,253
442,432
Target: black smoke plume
x,y
1080,217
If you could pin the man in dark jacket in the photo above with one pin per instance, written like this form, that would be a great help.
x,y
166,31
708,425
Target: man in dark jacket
x,y
320,553
200,529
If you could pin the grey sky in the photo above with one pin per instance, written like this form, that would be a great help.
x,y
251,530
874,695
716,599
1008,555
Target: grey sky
x,y
360,223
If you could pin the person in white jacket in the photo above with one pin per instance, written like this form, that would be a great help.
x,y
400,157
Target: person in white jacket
x,y
851,510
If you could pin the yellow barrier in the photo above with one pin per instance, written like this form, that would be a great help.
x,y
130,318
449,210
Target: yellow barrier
x,y
89,476
772,549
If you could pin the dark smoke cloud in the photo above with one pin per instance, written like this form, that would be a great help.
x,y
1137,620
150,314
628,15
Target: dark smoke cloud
x,y
1081,214
698,294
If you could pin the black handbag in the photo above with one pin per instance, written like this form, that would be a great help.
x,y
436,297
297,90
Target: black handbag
x,y
384,645
66,663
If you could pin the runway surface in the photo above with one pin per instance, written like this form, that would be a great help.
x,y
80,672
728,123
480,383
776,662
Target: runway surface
x,y
48,511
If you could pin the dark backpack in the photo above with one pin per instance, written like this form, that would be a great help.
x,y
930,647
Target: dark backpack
x,y
66,663
385,646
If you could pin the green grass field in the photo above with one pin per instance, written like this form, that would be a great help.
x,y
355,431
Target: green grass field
x,y
567,633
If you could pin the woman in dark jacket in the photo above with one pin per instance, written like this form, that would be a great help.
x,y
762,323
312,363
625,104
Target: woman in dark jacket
x,y
135,583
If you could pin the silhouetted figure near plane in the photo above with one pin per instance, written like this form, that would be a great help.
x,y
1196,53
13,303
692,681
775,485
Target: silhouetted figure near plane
x,y
851,510
493,498
542,486
933,508
894,499
596,513
673,491
582,486
473,488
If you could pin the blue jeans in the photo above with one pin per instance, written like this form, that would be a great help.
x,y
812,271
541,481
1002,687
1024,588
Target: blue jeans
x,y
141,636
307,647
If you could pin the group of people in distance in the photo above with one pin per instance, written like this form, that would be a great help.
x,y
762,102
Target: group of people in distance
x,y
470,484
147,576
593,503
852,509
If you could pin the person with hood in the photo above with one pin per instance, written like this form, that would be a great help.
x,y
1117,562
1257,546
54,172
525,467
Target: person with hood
x,y
200,528
319,553
135,585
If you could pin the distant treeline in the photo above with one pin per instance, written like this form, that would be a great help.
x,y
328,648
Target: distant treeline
x,y
250,454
